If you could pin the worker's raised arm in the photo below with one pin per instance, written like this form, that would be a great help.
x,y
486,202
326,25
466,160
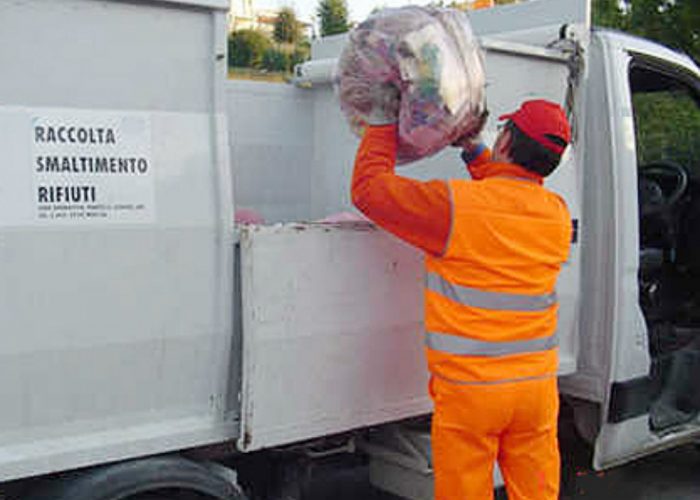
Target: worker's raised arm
x,y
417,212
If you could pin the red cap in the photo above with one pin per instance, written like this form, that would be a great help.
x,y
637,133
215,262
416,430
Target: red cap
x,y
543,121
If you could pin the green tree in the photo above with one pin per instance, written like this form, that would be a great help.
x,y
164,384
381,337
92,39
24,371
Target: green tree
x,y
673,138
301,54
246,48
287,28
675,23
276,60
608,13
334,17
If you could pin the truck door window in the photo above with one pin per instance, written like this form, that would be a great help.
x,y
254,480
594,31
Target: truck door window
x,y
667,128
667,119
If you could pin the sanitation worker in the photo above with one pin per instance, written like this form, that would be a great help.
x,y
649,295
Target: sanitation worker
x,y
494,246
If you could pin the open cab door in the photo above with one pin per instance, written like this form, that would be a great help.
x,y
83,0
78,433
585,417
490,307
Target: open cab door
x,y
640,337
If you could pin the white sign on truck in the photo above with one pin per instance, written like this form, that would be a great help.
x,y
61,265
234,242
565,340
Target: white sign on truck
x,y
76,167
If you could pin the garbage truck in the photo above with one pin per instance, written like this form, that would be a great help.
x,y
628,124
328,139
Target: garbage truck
x,y
151,348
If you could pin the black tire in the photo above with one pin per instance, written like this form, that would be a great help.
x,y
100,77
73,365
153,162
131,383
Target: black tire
x,y
142,479
157,496
166,496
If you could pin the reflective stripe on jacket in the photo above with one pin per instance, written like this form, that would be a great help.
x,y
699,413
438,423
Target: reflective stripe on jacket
x,y
491,308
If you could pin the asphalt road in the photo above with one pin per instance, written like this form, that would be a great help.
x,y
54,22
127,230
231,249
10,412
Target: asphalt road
x,y
671,475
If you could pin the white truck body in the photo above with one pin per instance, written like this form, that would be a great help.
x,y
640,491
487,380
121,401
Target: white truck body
x,y
137,320
116,317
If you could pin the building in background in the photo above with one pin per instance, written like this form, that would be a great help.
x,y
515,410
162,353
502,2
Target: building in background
x,y
479,4
482,4
245,15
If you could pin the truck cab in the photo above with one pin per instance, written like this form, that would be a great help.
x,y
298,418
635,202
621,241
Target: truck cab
x,y
638,353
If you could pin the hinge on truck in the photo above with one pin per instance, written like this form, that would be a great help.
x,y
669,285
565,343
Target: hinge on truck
x,y
569,42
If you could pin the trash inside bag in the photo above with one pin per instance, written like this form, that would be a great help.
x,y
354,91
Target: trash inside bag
x,y
432,57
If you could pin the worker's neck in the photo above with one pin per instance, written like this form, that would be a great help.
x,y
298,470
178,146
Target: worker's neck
x,y
504,169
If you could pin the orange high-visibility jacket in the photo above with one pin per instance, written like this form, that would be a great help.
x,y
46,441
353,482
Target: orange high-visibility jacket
x,y
494,250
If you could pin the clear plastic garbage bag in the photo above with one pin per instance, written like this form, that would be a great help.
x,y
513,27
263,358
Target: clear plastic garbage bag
x,y
432,57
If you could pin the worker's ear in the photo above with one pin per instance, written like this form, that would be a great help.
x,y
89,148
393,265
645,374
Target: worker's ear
x,y
501,150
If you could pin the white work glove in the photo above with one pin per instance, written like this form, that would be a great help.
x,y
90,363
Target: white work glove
x,y
386,100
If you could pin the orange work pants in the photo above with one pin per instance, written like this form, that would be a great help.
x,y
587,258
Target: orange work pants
x,y
512,423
